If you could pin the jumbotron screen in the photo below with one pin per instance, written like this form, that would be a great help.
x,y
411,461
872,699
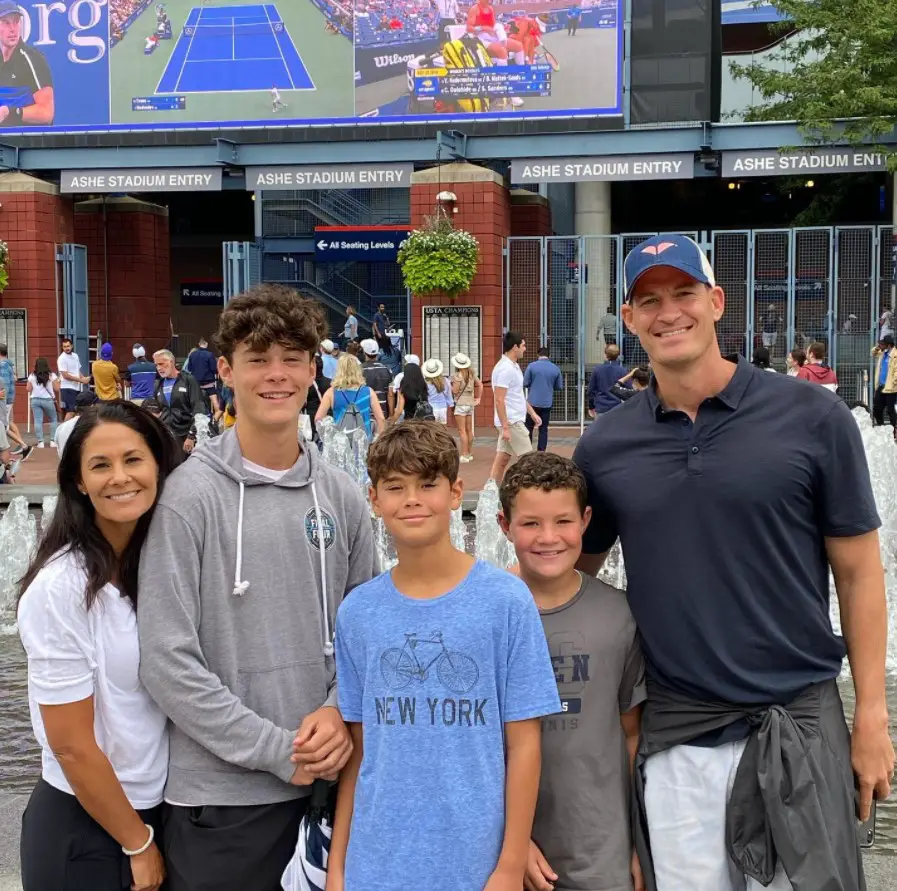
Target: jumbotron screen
x,y
82,65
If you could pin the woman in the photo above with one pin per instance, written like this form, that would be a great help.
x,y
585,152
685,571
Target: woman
x,y
411,401
795,360
467,390
439,391
350,328
319,386
761,359
92,820
43,388
349,393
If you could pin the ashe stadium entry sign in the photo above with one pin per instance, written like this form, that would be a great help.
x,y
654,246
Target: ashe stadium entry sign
x,y
93,65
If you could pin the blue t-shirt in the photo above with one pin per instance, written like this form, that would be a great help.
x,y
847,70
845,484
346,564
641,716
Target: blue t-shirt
x,y
167,387
433,682
542,378
328,365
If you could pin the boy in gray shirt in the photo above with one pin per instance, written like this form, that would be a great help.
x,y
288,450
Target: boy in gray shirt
x,y
581,839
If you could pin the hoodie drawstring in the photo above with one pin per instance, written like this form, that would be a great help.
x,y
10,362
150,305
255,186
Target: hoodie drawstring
x,y
240,585
322,548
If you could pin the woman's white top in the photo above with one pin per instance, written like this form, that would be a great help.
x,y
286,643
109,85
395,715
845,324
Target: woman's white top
x,y
74,653
42,391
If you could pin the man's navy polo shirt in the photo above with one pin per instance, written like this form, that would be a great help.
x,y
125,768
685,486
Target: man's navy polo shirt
x,y
722,524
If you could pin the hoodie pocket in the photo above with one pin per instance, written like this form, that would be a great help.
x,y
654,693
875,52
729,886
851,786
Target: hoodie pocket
x,y
285,694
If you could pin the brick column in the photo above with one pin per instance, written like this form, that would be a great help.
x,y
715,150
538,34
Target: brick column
x,y
484,210
128,270
34,218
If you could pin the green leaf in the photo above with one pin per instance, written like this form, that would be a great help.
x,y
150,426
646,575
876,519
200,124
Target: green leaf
x,y
439,258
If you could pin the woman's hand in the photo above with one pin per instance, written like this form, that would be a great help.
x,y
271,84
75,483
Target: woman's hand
x,y
147,870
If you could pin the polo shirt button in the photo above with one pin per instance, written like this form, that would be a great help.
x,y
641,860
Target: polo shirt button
x,y
694,450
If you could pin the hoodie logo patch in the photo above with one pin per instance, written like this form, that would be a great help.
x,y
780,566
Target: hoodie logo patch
x,y
312,532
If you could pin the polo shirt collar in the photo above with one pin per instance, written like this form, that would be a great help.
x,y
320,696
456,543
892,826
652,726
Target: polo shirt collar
x,y
730,396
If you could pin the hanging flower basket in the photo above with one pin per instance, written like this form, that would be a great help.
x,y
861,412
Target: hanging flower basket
x,y
438,258
4,266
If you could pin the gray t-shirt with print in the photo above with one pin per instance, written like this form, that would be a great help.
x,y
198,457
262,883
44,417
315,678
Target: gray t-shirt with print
x,y
582,816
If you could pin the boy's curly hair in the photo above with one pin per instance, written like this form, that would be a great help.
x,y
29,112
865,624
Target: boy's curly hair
x,y
423,448
269,314
544,471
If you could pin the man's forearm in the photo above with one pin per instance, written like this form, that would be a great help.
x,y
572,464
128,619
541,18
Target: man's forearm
x,y
864,622
501,408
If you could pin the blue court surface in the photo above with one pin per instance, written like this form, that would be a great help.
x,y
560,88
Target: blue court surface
x,y
234,49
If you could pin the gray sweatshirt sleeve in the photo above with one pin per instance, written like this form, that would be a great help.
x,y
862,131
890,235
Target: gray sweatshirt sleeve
x,y
362,566
172,665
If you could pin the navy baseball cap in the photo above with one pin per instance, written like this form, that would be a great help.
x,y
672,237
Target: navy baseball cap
x,y
9,7
676,251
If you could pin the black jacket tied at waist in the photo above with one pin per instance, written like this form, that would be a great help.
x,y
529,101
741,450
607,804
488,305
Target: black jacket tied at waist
x,y
793,796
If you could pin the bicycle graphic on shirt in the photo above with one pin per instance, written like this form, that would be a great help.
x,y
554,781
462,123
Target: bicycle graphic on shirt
x,y
457,672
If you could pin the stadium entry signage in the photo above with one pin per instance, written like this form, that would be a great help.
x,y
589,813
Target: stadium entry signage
x,y
99,65
142,179
770,162
613,168
330,176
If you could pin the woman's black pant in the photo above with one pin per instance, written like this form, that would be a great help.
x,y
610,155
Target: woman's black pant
x,y
882,402
64,849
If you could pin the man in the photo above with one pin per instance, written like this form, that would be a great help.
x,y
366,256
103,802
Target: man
x,y
142,374
816,371
26,85
542,380
250,551
376,375
733,492
204,367
382,324
106,376
511,408
68,367
328,358
447,12
181,399
885,378
601,397
608,327
7,403
771,323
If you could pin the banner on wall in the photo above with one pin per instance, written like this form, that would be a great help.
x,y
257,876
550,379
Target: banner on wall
x,y
195,64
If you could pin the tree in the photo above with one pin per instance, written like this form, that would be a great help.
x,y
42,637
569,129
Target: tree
x,y
836,76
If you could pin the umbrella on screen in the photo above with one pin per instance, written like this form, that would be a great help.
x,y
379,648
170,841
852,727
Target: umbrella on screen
x,y
307,871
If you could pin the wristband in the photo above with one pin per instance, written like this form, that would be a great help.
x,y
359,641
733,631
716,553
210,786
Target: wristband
x,y
17,112
145,848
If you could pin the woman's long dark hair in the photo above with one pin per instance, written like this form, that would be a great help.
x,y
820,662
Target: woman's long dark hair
x,y
413,385
73,527
42,370
761,358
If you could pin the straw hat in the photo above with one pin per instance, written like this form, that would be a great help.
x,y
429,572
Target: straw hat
x,y
461,361
433,368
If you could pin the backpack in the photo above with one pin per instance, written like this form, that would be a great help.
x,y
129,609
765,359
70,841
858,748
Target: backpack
x,y
423,411
352,418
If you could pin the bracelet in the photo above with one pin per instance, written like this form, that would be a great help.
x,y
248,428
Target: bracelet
x,y
145,848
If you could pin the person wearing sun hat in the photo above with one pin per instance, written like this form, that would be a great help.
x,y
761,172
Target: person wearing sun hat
x,y
467,391
439,390
734,493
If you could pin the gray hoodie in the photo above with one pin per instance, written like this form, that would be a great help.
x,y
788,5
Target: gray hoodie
x,y
234,645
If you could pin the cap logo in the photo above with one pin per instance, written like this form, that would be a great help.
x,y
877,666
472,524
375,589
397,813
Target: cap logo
x,y
657,248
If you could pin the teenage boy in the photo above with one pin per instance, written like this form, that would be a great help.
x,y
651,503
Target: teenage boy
x,y
444,674
588,749
249,553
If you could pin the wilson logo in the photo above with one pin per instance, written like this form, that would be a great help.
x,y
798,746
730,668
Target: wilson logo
x,y
394,59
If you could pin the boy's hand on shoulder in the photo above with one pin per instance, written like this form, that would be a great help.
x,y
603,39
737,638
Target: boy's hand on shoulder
x,y
539,875
322,745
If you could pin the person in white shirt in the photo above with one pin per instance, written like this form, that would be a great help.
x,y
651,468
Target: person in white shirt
x,y
276,103
68,366
93,818
511,407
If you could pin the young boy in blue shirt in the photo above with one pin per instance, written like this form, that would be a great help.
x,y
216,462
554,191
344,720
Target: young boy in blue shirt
x,y
581,839
443,675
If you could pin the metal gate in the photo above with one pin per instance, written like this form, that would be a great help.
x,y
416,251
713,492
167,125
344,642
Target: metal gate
x,y
242,267
75,314
784,288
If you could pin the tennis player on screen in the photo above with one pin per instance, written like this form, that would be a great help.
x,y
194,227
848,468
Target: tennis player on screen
x,y
26,85
482,23
276,102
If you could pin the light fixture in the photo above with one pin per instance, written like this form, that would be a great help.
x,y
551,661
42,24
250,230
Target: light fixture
x,y
810,184
731,186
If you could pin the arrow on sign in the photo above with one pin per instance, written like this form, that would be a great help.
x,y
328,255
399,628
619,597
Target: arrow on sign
x,y
185,292
322,245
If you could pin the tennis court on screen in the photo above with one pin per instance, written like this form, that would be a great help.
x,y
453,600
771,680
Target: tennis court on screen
x,y
234,49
